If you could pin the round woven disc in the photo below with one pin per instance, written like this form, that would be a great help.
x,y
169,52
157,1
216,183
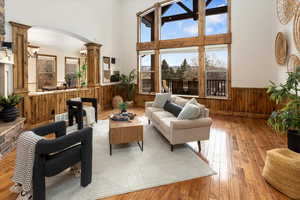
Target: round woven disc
x,y
296,28
293,63
280,49
286,10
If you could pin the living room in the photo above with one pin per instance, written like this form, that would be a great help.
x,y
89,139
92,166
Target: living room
x,y
153,99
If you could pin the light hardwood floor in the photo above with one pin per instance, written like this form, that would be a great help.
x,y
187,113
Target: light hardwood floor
x,y
236,150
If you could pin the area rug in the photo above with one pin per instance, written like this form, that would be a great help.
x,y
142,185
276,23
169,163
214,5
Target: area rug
x,y
129,169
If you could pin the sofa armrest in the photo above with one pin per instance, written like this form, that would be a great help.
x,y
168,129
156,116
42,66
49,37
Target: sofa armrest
x,y
149,104
188,124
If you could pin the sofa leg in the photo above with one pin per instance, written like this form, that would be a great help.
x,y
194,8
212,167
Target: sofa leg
x,y
199,146
172,147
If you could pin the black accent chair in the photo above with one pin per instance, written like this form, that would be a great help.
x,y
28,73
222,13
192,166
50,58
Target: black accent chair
x,y
75,109
56,155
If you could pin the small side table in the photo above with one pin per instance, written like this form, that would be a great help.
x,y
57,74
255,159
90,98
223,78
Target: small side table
x,y
123,132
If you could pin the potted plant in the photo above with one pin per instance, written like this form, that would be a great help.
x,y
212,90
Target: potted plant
x,y
9,112
123,107
128,86
287,119
81,75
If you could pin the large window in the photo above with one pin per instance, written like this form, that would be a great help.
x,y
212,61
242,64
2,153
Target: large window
x,y
216,71
176,56
179,71
179,20
147,22
216,17
147,73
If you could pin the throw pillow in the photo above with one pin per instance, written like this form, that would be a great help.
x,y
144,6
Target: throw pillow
x,y
189,111
202,113
179,101
161,99
172,108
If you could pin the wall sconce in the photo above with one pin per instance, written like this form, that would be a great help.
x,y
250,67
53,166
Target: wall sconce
x,y
83,52
32,51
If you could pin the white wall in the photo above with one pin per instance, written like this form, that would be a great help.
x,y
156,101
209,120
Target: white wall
x,y
113,24
281,70
252,42
95,20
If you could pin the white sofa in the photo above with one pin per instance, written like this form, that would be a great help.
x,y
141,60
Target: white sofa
x,y
179,131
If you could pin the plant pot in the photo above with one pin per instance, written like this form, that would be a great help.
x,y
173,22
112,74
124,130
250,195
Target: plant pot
x,y
9,114
294,140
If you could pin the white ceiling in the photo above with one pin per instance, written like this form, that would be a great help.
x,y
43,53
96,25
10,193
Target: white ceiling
x,y
54,40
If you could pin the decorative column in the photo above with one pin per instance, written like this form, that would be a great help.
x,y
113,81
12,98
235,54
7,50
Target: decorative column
x,y
93,63
20,68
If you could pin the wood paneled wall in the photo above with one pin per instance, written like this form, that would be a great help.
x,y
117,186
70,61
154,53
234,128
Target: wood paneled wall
x,y
247,102
42,108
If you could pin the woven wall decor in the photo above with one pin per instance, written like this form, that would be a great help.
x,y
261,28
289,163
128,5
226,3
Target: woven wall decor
x,y
293,63
296,29
281,48
286,10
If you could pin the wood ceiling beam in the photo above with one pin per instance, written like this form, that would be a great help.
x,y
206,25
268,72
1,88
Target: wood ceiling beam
x,y
211,11
216,11
208,2
184,7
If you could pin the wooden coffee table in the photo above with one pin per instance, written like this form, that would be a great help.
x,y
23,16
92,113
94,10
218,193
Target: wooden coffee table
x,y
126,132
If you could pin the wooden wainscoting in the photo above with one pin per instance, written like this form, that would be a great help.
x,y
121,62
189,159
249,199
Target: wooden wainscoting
x,y
42,108
244,102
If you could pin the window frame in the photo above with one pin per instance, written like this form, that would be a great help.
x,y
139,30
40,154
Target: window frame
x,y
201,41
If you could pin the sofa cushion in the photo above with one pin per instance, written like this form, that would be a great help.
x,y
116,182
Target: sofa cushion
x,y
179,101
172,108
161,99
189,111
150,110
160,115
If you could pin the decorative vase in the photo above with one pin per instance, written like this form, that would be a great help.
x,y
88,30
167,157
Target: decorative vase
x,y
9,114
294,140
117,100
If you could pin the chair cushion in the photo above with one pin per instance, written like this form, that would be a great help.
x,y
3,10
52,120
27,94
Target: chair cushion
x,y
161,99
172,108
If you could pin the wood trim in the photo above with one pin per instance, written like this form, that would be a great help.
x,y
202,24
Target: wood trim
x,y
157,71
45,55
42,108
201,74
186,42
243,102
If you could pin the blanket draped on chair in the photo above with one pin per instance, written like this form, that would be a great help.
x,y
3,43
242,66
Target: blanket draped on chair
x,y
25,159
